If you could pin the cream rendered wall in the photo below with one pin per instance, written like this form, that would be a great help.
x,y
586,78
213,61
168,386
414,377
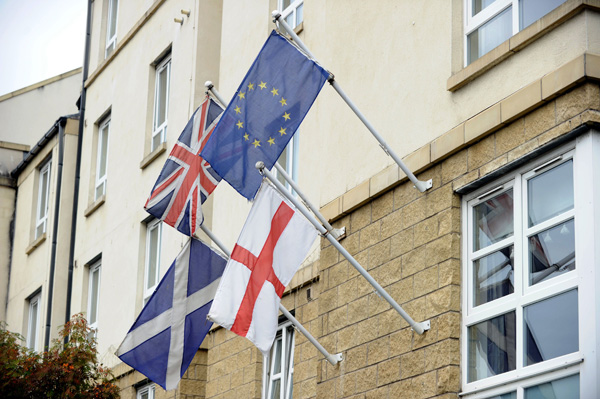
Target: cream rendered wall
x,y
116,229
40,105
393,61
30,272
7,211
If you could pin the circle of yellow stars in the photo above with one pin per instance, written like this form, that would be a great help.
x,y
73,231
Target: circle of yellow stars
x,y
275,92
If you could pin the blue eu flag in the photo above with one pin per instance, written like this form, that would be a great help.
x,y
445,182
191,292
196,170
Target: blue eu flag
x,y
264,113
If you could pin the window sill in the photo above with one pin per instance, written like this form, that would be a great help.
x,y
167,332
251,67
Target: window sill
x,y
517,42
95,205
36,243
148,159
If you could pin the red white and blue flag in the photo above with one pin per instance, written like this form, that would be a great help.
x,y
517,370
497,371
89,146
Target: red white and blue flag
x,y
187,180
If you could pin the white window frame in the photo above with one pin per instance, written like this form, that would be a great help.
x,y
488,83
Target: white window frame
x,y
41,218
474,22
146,389
285,332
292,10
111,41
103,129
148,291
585,152
94,268
33,335
161,130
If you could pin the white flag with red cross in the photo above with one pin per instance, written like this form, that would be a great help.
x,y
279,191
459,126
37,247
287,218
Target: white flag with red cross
x,y
272,245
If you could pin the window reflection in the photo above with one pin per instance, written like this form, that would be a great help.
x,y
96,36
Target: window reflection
x,y
492,347
489,36
567,387
549,337
550,193
552,252
493,220
493,276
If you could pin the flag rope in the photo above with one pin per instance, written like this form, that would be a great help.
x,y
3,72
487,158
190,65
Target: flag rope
x,y
422,186
333,359
419,328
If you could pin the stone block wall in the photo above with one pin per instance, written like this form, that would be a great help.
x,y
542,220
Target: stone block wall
x,y
410,242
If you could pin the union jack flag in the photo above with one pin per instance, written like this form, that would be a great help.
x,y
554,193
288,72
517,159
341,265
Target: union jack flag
x,y
187,180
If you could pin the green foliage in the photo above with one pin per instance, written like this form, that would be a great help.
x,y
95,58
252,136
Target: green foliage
x,y
68,370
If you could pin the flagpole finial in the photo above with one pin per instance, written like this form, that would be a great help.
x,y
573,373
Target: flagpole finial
x,y
209,84
260,165
276,14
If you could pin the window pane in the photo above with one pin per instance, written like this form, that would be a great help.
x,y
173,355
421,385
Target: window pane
x,y
93,317
493,276
33,319
547,337
144,395
550,193
44,193
532,10
161,97
290,20
283,162
100,190
277,357
565,388
40,229
153,257
479,5
275,389
510,395
299,17
102,152
285,4
493,220
492,347
156,140
552,252
490,35
112,18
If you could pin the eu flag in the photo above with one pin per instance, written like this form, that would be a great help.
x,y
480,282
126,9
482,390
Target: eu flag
x,y
265,112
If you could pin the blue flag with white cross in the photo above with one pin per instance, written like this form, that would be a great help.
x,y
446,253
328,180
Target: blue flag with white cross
x,y
170,328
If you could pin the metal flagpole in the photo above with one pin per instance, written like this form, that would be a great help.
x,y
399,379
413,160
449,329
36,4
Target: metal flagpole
x,y
422,186
338,233
419,328
333,359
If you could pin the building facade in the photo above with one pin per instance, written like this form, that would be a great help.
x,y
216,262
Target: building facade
x,y
497,102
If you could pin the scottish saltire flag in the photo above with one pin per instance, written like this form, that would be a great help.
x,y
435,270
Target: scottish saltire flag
x,y
186,180
273,243
264,113
169,330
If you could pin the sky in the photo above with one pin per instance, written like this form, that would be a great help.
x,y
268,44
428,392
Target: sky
x,y
39,39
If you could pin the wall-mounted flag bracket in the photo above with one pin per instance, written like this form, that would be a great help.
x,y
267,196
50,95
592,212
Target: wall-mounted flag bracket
x,y
419,328
422,186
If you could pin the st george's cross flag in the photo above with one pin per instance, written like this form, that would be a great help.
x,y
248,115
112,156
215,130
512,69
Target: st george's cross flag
x,y
265,112
186,179
273,243
169,330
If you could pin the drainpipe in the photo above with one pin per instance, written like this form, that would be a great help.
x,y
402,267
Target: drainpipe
x,y
61,152
86,58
